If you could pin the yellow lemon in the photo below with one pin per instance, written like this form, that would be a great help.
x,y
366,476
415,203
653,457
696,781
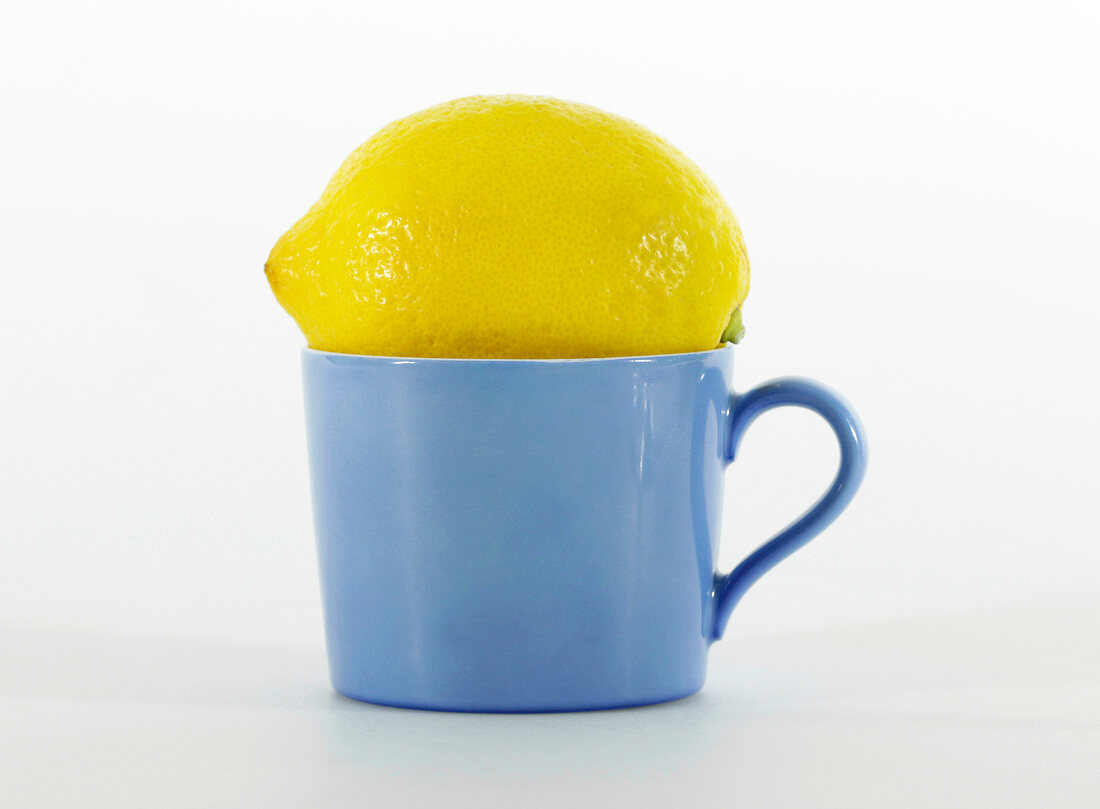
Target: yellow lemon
x,y
514,226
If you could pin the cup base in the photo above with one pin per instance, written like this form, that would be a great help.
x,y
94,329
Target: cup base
x,y
516,709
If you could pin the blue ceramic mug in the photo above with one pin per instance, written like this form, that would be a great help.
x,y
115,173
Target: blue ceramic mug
x,y
536,535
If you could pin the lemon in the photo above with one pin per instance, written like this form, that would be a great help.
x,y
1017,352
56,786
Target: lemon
x,y
514,227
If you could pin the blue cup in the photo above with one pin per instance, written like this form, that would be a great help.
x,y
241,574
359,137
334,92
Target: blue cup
x,y
536,535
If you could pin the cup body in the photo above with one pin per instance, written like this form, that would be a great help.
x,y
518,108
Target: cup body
x,y
514,535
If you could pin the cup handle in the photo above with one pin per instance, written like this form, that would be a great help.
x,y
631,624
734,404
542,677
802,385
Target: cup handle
x,y
729,588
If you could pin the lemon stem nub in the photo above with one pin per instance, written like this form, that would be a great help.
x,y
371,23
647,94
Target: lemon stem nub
x,y
734,331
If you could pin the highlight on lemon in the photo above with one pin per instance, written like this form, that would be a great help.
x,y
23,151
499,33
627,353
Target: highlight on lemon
x,y
514,227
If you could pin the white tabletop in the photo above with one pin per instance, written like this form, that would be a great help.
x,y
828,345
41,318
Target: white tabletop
x,y
999,708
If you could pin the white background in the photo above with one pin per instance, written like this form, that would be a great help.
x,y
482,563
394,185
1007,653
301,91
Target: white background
x,y
919,189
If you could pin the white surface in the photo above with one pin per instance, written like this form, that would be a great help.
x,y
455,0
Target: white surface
x,y
920,193
938,712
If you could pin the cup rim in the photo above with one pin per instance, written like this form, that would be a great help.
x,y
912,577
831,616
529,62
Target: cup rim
x,y
344,357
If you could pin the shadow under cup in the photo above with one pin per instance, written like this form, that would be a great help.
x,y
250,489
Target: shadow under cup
x,y
534,535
